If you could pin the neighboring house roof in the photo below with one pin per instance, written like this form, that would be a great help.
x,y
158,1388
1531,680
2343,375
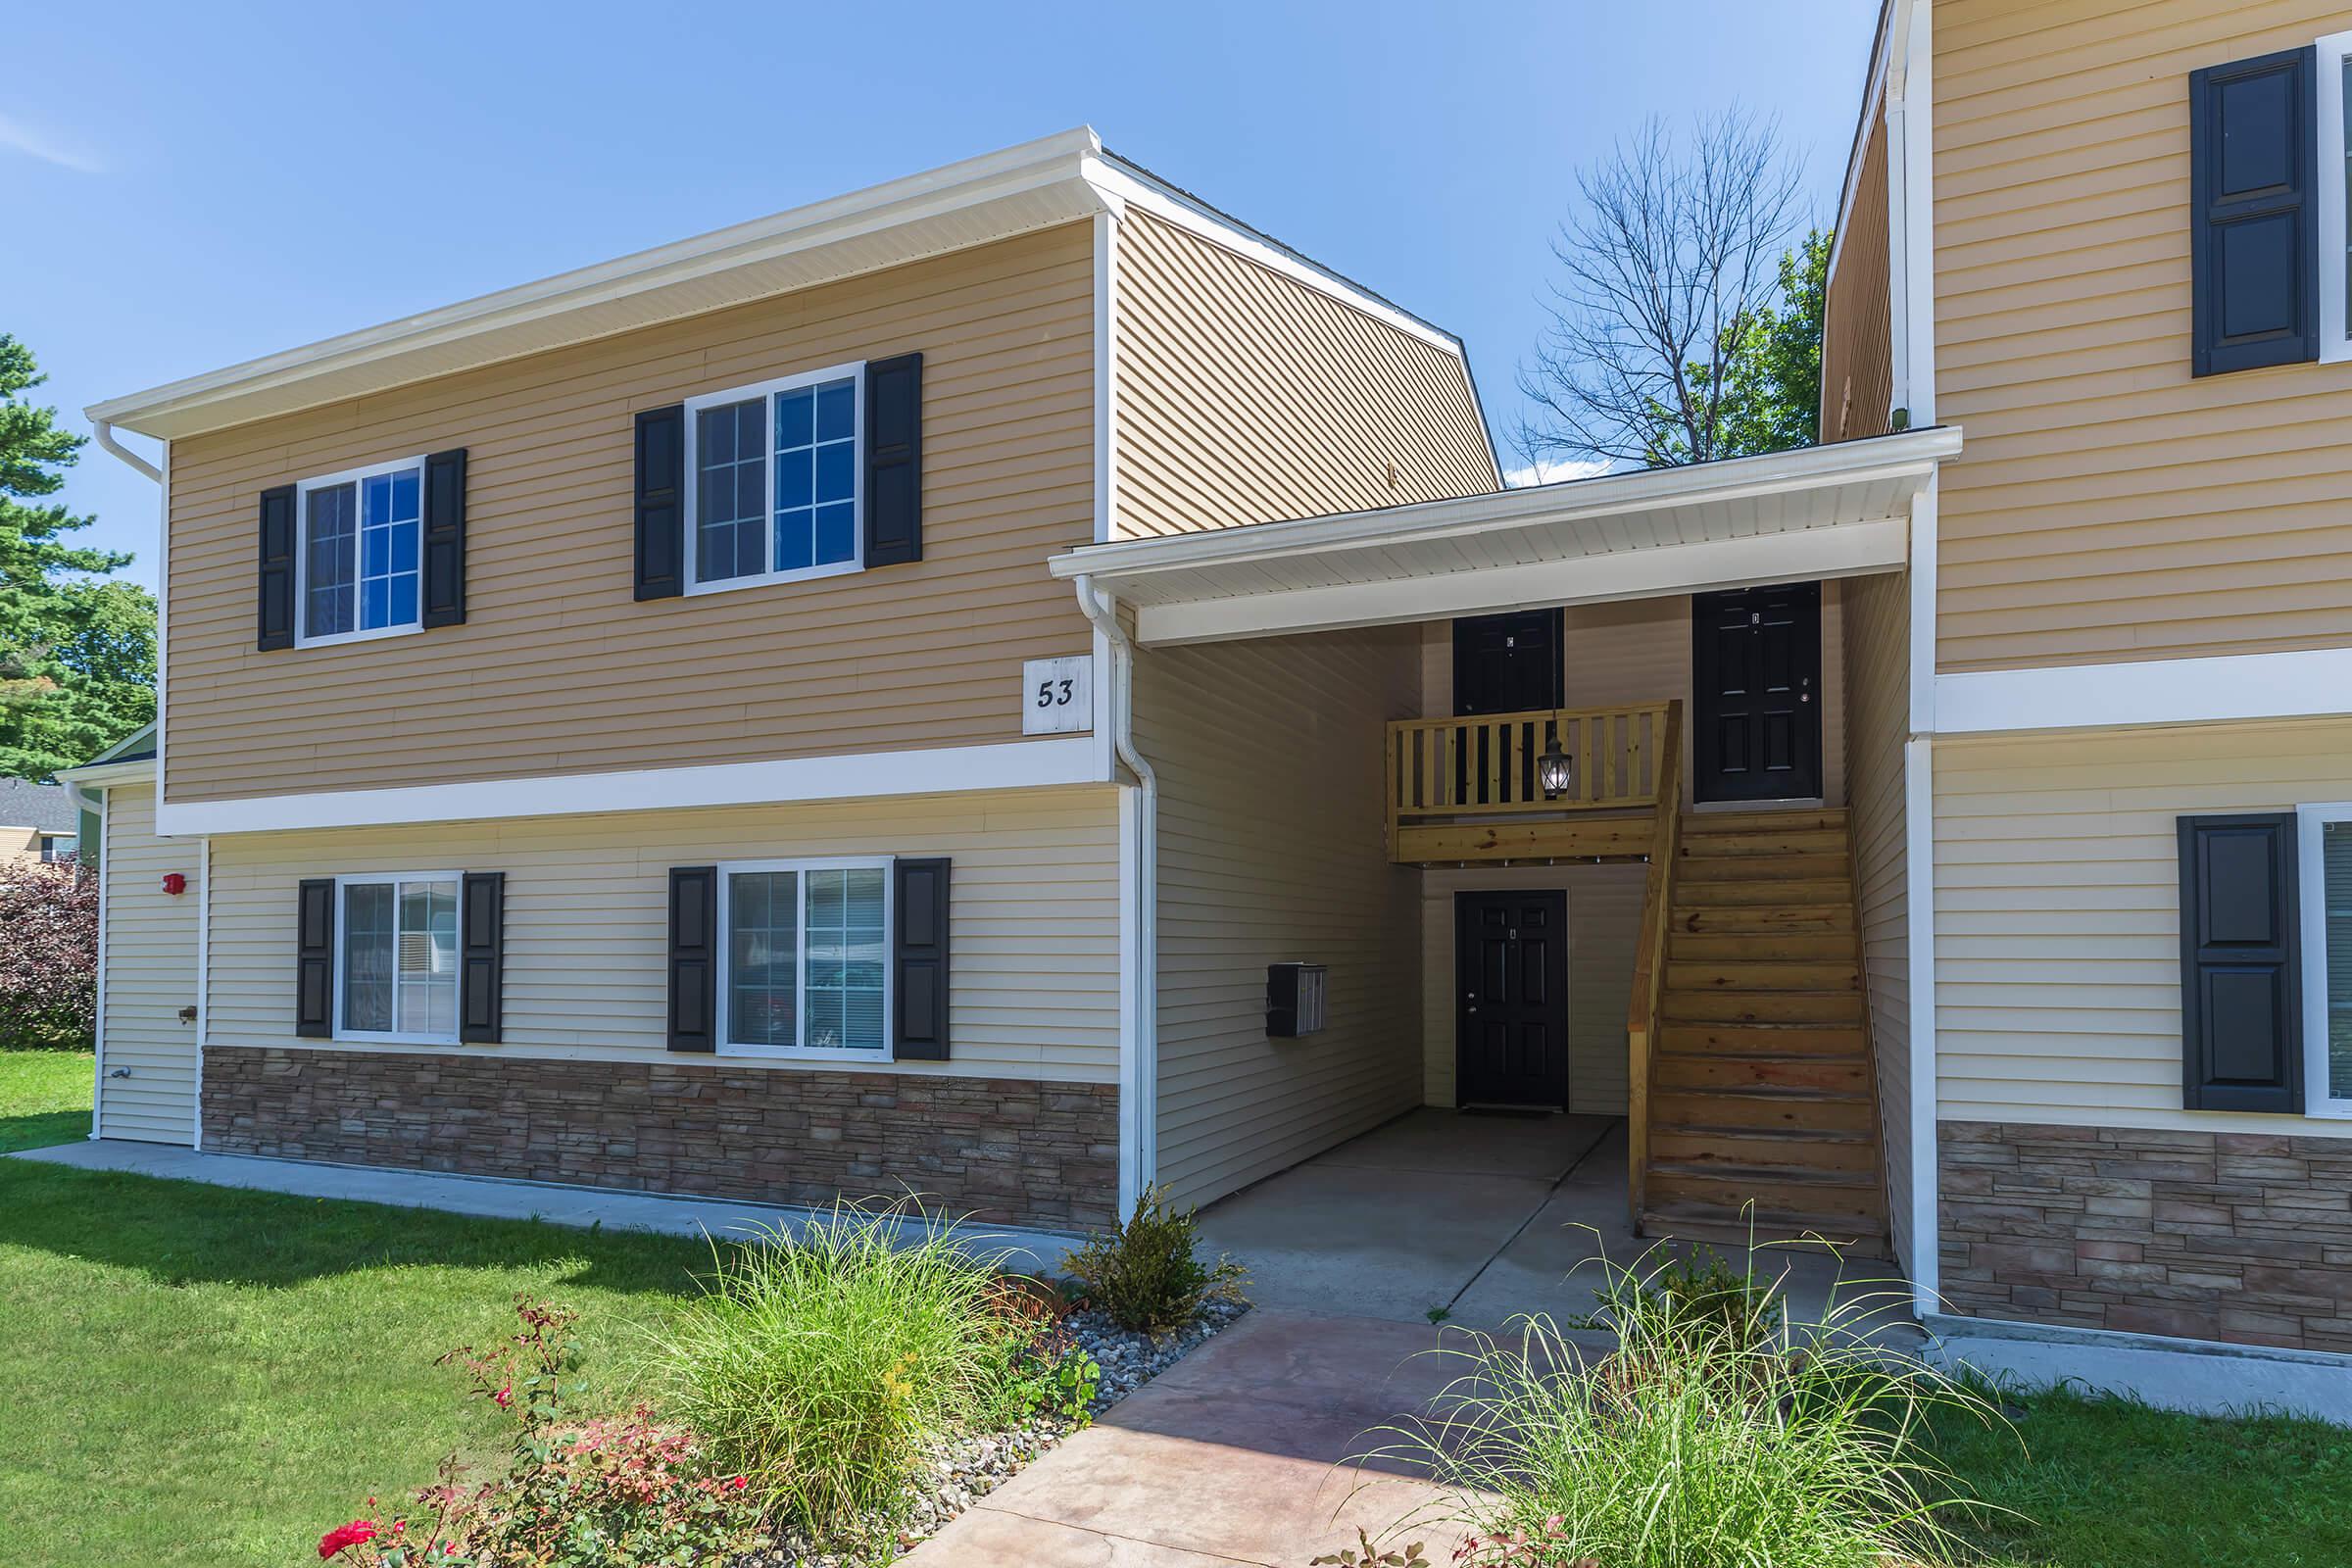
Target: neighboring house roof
x,y
1040,184
45,808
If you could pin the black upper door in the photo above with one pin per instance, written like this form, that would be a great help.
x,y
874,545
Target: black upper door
x,y
1755,676
1512,1004
1506,664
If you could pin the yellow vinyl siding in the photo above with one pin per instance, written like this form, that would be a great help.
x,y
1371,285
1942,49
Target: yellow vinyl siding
x,y
2058,913
1033,982
2109,506
1878,723
151,941
1604,920
1857,345
1246,395
1272,847
558,668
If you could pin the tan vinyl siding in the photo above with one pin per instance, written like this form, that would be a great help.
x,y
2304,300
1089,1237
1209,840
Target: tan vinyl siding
x,y
1272,847
2058,913
1878,723
1032,987
1857,344
558,670
2109,506
1637,650
1247,396
1604,921
151,941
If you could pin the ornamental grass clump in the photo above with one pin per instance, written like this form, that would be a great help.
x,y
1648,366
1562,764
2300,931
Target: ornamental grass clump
x,y
1716,1435
826,1363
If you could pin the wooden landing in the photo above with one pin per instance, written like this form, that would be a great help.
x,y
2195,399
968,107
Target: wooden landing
x,y
1585,836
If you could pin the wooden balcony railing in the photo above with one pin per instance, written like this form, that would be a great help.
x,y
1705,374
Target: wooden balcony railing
x,y
1486,766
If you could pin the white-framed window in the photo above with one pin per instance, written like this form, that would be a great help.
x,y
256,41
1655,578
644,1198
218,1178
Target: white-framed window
x,y
2335,198
775,487
358,557
803,965
396,957
56,846
2323,846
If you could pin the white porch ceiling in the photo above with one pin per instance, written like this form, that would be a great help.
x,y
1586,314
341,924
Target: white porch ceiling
x,y
1823,512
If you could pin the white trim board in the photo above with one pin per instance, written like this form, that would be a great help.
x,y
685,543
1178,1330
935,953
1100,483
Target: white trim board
x,y
1846,551
2311,684
932,770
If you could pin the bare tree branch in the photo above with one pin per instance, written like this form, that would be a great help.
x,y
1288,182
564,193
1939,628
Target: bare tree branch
x,y
1673,252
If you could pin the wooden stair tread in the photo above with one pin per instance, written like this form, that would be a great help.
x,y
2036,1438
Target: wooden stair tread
x,y
1697,1223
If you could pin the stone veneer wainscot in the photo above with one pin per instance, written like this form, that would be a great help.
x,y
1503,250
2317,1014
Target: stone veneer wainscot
x,y
1005,1150
2243,1237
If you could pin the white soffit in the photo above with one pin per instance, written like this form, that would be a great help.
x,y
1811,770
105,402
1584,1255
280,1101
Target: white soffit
x,y
1819,512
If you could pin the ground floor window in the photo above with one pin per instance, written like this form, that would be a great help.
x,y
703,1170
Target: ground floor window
x,y
2326,893
396,968
805,956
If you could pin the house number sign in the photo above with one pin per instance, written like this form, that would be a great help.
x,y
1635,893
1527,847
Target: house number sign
x,y
1057,694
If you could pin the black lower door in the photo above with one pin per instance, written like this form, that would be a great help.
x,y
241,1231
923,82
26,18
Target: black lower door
x,y
1756,679
1512,973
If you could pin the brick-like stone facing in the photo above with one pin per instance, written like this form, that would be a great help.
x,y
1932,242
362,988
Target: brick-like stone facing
x,y
2244,1237
1007,1151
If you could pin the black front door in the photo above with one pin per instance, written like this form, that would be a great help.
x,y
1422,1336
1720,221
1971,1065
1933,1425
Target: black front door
x,y
1506,664
1511,983
1755,677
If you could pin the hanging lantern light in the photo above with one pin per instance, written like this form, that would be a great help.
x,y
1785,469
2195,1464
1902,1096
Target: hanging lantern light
x,y
1553,770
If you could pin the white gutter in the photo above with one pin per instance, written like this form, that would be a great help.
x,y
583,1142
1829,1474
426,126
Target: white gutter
x,y
1139,935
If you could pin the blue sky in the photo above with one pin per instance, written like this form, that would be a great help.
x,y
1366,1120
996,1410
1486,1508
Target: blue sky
x,y
187,187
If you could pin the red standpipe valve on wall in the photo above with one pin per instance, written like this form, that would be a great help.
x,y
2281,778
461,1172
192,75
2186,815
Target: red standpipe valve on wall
x,y
174,884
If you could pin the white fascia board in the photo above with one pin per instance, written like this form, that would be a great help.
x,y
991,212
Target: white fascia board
x,y
1912,454
2312,684
1129,186
1846,551
98,775
934,770
1050,159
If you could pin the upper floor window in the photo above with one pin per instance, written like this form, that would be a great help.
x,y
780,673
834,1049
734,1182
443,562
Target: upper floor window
x,y
773,493
360,558
2335,196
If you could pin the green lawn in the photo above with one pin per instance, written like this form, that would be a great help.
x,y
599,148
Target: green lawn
x,y
44,1099
2105,1485
196,1375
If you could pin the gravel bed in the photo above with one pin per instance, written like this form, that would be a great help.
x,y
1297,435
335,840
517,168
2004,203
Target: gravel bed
x,y
968,1468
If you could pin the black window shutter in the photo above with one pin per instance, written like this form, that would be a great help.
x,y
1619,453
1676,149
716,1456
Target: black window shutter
x,y
314,958
2242,1000
445,538
661,504
481,949
921,962
894,461
277,570
693,957
2254,241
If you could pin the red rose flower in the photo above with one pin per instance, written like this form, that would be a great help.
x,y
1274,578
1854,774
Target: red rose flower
x,y
349,1535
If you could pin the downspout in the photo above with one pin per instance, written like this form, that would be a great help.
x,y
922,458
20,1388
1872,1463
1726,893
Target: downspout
x,y
104,434
1138,966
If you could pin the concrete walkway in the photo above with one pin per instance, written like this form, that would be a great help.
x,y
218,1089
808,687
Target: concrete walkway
x,y
1234,1455
1483,1218
491,1197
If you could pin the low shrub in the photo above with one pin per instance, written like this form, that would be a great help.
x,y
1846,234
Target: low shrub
x,y
1147,1272
825,1364
1714,1434
1699,1290
605,1492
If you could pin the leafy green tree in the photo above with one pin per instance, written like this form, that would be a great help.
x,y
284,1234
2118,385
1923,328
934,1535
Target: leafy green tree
x,y
77,649
1772,379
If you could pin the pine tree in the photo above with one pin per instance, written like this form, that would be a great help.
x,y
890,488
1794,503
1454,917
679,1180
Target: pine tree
x,y
77,648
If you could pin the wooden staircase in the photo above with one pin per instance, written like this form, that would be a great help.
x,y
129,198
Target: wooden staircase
x,y
1761,1081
